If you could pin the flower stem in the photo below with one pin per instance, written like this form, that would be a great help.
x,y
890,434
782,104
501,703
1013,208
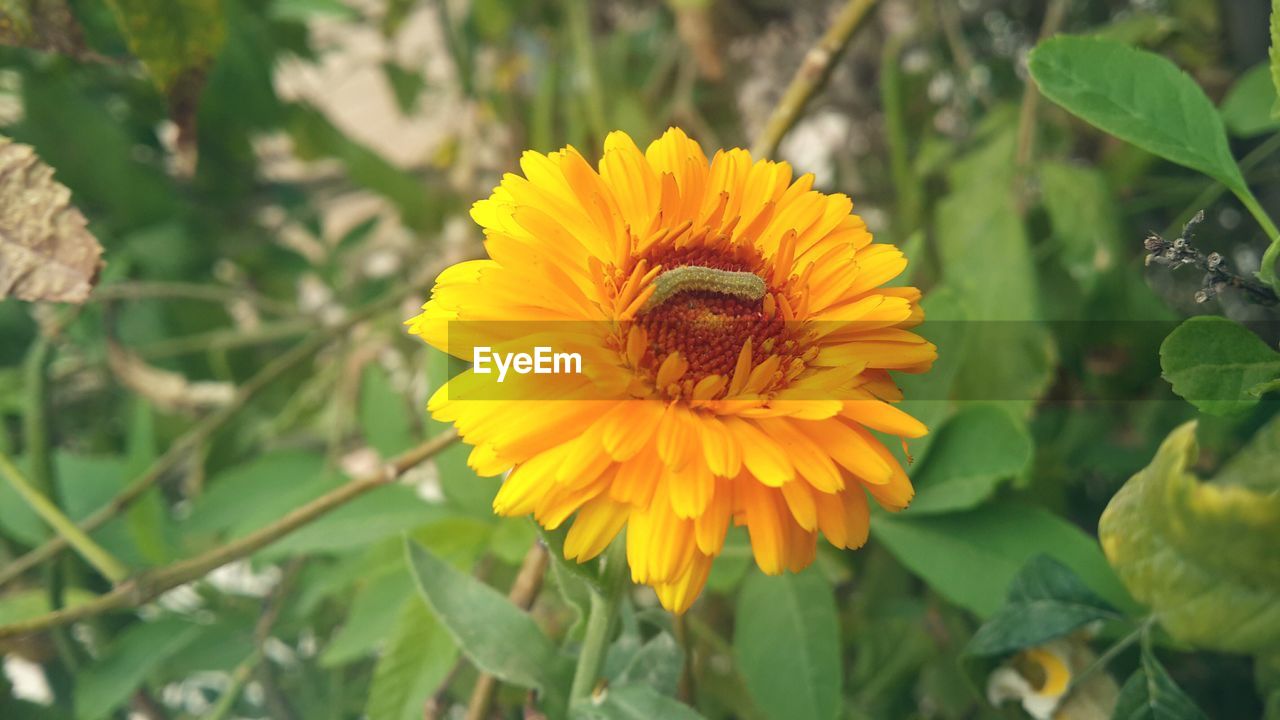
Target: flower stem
x,y
1141,632
1267,272
811,75
593,93
604,608
103,561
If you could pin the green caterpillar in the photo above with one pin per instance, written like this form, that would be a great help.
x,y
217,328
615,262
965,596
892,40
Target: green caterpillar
x,y
745,285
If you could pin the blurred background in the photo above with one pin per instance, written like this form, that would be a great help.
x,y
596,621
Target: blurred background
x,y
275,183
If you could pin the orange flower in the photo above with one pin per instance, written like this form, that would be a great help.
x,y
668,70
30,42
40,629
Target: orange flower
x,y
738,342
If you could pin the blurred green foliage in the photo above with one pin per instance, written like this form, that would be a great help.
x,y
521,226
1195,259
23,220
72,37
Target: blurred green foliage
x,y
214,150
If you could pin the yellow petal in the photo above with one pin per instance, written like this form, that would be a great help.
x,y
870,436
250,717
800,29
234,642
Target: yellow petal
x,y
594,527
762,457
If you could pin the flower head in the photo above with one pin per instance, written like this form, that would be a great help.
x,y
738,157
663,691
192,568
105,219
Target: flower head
x,y
738,340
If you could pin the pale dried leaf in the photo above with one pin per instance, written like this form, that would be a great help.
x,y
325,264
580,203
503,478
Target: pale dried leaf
x,y
46,25
46,252
169,391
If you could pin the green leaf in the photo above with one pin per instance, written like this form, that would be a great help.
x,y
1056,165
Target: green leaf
x,y
1137,28
1246,111
494,634
1150,694
634,702
733,562
656,664
1255,466
986,258
977,449
377,515
1086,220
929,395
17,520
574,580
787,644
511,539
418,657
253,494
462,487
176,40
148,517
303,10
1139,97
129,660
407,85
1216,364
220,647
384,415
85,484
314,137
25,604
1202,555
371,618
971,557
1275,54
1046,600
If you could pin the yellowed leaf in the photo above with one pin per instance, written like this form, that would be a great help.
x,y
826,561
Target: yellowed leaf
x,y
1203,555
46,251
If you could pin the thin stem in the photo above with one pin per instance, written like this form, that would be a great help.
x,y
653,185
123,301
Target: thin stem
x,y
905,183
1214,189
210,424
138,290
1140,632
585,58
604,608
1030,94
240,678
811,76
1267,271
228,338
149,585
92,552
35,417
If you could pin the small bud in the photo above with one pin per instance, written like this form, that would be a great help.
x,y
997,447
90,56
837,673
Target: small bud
x,y
1202,296
1192,223
1214,261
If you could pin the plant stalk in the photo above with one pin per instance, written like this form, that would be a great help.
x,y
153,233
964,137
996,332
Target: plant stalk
x,y
148,585
604,609
810,77
93,553
1267,271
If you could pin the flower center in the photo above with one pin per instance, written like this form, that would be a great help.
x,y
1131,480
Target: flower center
x,y
709,327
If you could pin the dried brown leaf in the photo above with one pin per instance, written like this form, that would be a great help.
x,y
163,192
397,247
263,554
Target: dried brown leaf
x,y
46,252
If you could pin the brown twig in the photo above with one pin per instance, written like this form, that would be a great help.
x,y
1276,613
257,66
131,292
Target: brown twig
x,y
210,424
1031,95
140,290
151,584
1218,277
811,76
